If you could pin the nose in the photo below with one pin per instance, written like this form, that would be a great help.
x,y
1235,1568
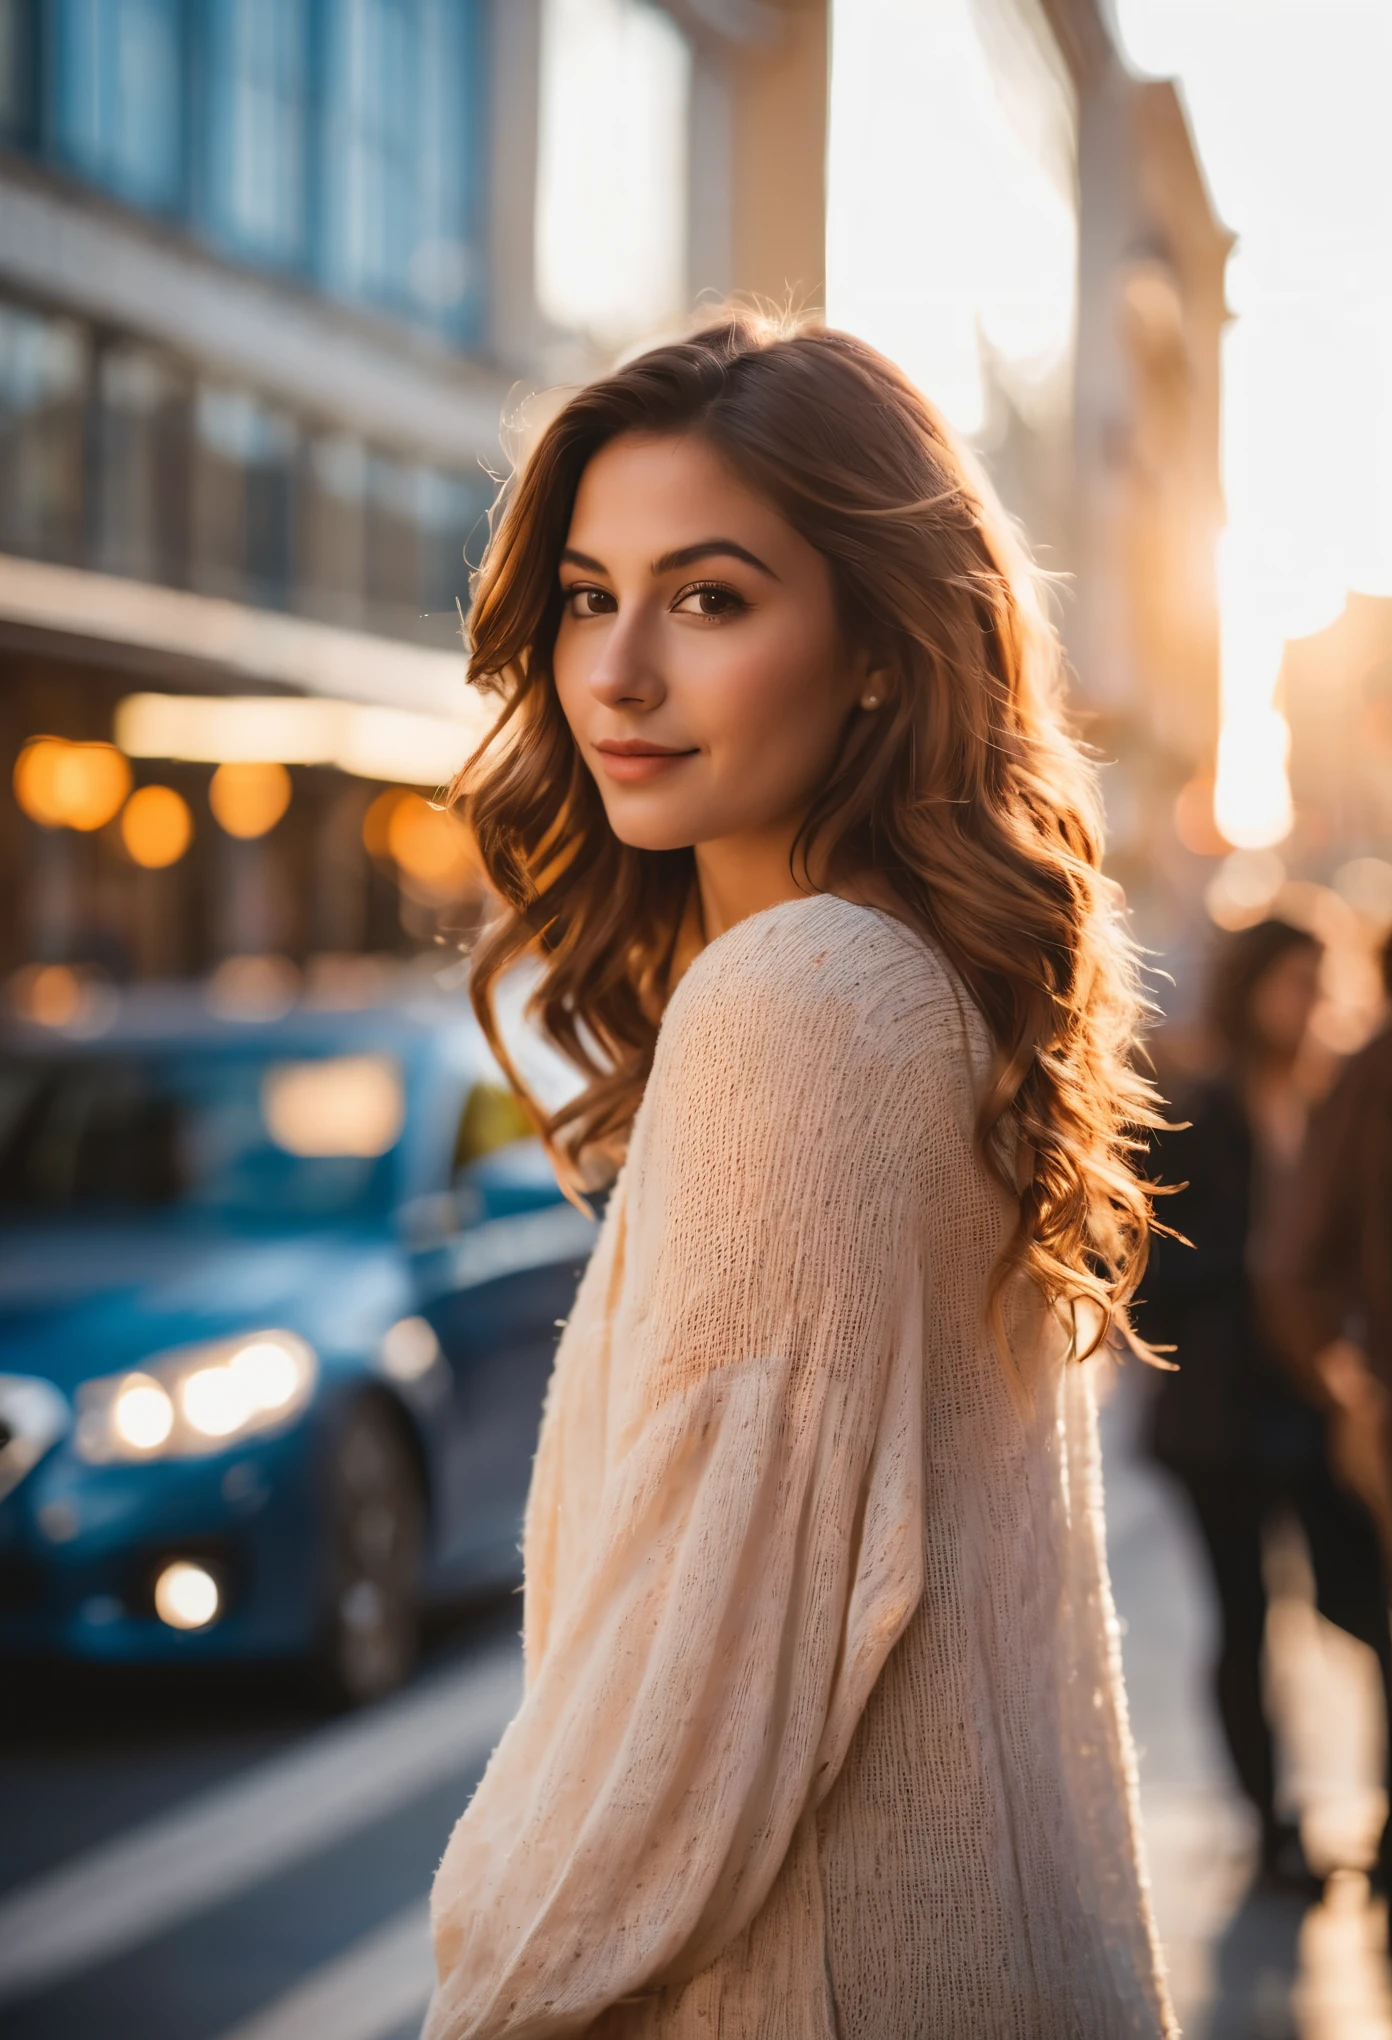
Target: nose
x,y
626,673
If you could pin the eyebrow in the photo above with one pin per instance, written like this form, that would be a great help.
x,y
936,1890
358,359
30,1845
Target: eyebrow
x,y
707,549
685,556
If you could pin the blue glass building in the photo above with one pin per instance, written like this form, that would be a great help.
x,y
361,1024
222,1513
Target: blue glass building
x,y
268,290
334,149
338,142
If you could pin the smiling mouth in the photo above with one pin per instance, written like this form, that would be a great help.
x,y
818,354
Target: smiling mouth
x,y
637,747
631,759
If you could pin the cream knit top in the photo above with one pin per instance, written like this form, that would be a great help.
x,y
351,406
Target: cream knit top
x,y
824,1735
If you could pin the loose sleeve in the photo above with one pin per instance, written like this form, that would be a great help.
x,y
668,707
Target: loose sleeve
x,y
759,1542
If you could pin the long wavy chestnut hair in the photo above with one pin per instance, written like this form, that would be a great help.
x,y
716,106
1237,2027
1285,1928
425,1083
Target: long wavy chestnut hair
x,y
964,794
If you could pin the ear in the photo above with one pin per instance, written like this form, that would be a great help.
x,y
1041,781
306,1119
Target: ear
x,y
870,677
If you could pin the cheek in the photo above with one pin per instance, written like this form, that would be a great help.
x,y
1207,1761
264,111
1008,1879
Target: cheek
x,y
771,701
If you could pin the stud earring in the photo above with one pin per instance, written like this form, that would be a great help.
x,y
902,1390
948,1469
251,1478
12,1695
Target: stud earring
x,y
869,700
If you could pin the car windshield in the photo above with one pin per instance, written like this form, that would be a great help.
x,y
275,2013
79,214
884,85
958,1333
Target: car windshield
x,y
247,1138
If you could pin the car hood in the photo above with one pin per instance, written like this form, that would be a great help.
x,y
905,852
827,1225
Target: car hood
x,y
76,1303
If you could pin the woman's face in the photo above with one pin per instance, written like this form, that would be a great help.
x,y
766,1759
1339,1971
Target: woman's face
x,y
699,662
1283,998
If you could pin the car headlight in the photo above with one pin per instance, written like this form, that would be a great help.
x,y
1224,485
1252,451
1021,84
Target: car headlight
x,y
33,1416
197,1400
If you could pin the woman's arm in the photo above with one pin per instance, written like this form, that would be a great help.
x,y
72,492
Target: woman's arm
x,y
760,1544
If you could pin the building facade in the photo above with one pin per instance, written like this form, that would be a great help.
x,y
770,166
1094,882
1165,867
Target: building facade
x,y
272,275
1335,690
1113,466
1147,507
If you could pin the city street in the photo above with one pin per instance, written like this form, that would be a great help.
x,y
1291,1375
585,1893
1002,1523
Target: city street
x,y
192,1864
187,1864
1025,368
1243,1965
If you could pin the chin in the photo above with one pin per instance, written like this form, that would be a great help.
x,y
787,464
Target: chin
x,y
651,832
651,822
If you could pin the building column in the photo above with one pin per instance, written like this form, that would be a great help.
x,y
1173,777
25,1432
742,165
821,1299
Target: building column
x,y
758,145
514,323
778,148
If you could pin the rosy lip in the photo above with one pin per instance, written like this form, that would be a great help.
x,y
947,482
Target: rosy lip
x,y
640,747
630,759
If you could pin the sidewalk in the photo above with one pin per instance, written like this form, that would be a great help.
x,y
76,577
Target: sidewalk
x,y
1243,1965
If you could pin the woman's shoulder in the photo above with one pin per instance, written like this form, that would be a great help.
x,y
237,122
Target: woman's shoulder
x,y
822,974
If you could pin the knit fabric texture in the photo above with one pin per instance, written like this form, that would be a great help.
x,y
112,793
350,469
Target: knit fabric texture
x,y
824,1735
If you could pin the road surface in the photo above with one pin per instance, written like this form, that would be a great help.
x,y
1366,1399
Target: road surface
x,y
213,1863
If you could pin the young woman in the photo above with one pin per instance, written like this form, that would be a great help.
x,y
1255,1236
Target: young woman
x,y
823,1731
1230,1424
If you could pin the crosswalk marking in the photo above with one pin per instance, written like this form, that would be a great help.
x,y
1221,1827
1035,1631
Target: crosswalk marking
x,y
150,1879
377,1985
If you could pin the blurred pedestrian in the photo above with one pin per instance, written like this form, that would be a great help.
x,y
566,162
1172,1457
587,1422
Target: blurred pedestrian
x,y
1334,1273
822,1732
1247,1442
1332,1290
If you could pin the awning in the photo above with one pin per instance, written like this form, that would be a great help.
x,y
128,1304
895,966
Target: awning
x,y
234,642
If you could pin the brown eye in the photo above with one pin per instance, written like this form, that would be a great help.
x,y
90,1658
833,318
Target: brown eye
x,y
590,601
714,600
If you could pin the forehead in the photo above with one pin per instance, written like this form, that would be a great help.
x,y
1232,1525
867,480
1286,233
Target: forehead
x,y
662,493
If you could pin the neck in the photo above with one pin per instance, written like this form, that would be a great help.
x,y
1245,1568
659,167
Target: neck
x,y
737,876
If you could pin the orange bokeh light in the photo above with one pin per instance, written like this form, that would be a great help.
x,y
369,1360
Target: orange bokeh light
x,y
1194,821
431,847
247,800
377,822
70,786
156,827
48,994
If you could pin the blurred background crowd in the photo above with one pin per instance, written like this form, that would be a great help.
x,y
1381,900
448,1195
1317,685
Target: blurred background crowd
x,y
284,284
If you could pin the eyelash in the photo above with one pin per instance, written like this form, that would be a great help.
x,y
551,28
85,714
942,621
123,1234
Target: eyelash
x,y
736,602
570,595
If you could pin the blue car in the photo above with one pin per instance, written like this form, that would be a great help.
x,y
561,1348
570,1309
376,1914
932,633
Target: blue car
x,y
278,1303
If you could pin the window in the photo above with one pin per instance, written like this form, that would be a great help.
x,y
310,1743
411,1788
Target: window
x,y
244,497
453,510
112,1134
612,169
113,455
256,69
371,143
976,301
393,545
118,96
142,465
17,70
43,380
452,506
419,520
339,140
443,260
333,528
399,143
